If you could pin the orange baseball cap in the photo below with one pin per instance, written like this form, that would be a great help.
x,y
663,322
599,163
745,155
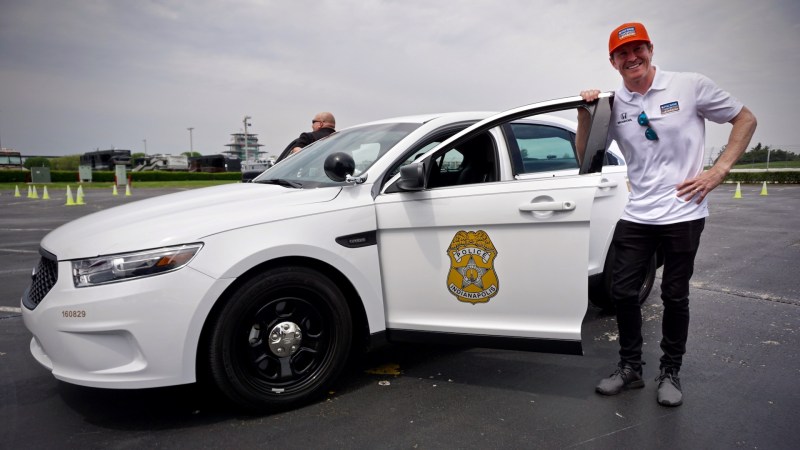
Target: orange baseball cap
x,y
627,32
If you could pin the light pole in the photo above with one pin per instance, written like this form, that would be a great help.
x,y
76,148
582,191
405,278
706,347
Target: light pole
x,y
246,145
768,149
145,147
191,145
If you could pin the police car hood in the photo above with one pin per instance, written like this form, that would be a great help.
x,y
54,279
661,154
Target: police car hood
x,y
180,218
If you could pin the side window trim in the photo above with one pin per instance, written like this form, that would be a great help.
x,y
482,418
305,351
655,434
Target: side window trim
x,y
440,135
593,154
597,138
513,148
484,154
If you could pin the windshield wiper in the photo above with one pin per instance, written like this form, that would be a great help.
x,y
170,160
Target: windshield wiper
x,y
282,182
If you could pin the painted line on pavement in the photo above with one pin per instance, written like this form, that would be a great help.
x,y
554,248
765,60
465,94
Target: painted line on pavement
x,y
13,250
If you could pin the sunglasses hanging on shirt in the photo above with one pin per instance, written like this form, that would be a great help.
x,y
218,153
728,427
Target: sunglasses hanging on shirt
x,y
649,133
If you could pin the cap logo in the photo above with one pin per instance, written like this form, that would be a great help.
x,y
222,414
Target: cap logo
x,y
626,33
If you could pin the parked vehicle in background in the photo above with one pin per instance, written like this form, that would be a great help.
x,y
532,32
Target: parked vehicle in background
x,y
106,159
162,162
214,164
10,159
467,228
255,167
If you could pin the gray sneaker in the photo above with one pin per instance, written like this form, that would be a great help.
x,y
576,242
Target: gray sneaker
x,y
669,387
625,377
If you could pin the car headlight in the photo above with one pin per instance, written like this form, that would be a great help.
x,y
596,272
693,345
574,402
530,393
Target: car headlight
x,y
129,266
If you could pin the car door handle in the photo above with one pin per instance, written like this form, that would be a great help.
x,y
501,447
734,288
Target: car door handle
x,y
548,206
607,184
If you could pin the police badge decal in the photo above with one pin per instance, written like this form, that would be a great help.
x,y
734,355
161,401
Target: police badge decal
x,y
472,278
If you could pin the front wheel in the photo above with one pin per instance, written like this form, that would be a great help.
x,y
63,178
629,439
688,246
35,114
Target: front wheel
x,y
600,291
281,339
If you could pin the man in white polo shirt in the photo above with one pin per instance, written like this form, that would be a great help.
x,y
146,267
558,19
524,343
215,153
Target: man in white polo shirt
x,y
658,121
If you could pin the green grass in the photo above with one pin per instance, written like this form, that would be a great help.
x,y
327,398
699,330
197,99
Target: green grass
x,y
772,165
23,187
191,184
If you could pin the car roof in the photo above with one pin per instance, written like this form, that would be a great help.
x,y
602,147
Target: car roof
x,y
425,118
459,116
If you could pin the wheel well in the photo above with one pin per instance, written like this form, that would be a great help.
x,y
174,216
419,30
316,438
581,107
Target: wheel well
x,y
359,315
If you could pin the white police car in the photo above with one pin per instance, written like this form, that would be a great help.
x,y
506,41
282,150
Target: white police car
x,y
459,228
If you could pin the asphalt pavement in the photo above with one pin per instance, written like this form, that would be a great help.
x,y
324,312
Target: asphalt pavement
x,y
739,374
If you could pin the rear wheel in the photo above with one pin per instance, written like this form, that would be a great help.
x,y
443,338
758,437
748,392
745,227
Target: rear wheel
x,y
281,339
600,291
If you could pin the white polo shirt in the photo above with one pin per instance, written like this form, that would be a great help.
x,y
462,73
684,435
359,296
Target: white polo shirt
x,y
677,105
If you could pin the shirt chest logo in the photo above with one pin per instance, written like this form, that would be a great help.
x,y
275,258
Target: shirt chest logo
x,y
671,107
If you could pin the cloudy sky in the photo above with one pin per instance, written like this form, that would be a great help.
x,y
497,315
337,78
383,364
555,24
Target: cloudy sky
x,y
80,75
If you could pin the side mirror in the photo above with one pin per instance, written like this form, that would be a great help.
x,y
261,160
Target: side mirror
x,y
412,177
338,166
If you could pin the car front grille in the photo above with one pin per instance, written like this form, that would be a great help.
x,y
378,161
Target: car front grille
x,y
42,280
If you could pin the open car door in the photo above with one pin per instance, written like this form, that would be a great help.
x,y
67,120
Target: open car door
x,y
474,250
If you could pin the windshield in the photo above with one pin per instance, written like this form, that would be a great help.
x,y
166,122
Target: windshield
x,y
365,144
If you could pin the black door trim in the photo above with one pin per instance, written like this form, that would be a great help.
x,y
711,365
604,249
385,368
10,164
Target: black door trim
x,y
560,346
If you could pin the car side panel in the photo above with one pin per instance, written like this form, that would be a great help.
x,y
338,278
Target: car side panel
x,y
541,257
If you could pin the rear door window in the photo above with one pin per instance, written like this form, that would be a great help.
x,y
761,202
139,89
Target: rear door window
x,y
542,148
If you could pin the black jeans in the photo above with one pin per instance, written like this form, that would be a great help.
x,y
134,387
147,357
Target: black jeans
x,y
634,245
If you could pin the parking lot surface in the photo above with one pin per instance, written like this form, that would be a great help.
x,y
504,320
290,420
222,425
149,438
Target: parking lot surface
x,y
739,374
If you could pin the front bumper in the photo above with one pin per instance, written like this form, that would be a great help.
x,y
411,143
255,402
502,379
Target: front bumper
x,y
133,334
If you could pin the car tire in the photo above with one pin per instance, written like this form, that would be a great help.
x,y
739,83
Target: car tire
x,y
600,291
281,338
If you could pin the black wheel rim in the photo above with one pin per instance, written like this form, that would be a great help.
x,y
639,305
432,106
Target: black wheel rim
x,y
259,366
644,290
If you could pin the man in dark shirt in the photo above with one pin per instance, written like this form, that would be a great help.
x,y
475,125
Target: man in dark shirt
x,y
322,125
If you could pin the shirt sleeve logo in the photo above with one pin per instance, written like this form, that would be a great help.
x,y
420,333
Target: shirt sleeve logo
x,y
670,107
472,278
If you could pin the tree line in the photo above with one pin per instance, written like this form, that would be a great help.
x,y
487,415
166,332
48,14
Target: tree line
x,y
71,162
762,154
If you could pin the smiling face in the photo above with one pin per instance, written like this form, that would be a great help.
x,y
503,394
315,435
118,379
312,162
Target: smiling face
x,y
634,62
